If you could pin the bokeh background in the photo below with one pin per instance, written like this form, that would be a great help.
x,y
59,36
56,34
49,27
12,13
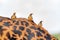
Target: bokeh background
x,y
46,10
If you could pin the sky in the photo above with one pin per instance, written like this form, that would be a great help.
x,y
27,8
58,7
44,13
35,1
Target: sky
x,y
46,10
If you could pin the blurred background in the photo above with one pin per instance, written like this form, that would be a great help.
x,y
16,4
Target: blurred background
x,y
46,10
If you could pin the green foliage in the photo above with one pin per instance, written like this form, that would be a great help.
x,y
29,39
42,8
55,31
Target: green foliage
x,y
57,36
